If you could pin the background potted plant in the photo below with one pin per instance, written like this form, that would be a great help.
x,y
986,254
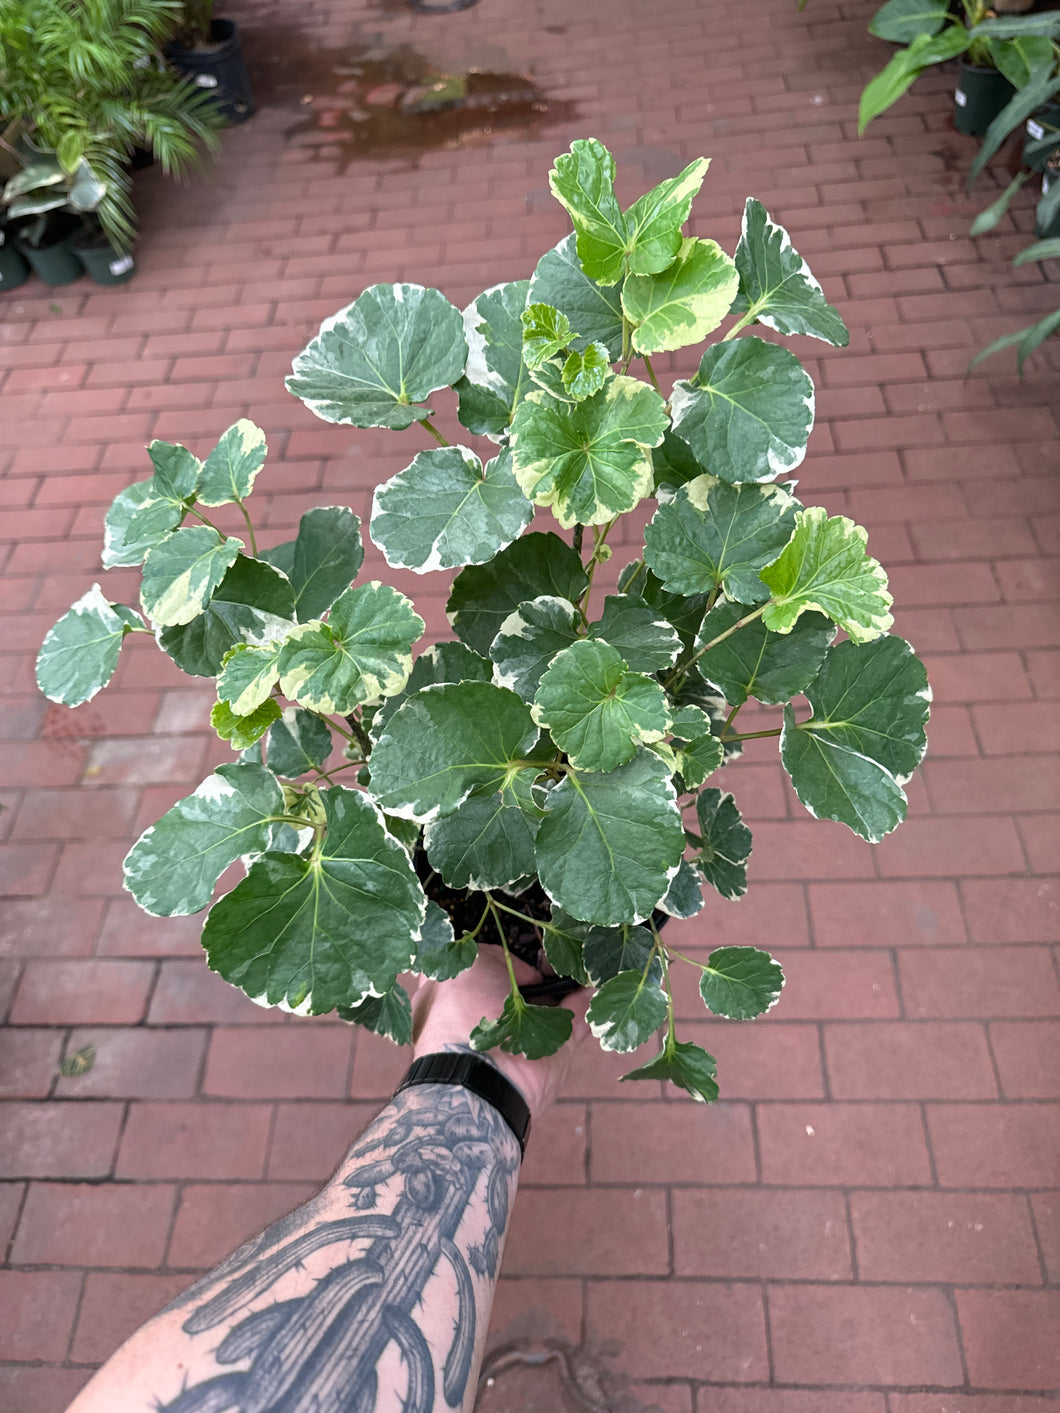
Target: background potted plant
x,y
208,52
998,56
89,85
542,779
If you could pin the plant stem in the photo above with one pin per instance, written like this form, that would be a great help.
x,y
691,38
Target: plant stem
x,y
627,347
651,375
335,725
438,437
730,719
753,735
599,537
576,539
250,529
740,325
298,820
664,957
199,516
360,735
740,623
492,907
327,774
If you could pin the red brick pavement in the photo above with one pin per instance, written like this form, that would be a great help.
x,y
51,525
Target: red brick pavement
x,y
864,1225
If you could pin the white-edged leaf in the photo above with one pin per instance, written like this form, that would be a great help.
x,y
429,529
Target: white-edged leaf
x,y
254,604
685,898
596,709
173,867
626,1011
373,362
322,561
740,982
310,934
824,566
654,221
389,1014
496,377
445,510
643,637
181,573
177,471
241,730
776,285
440,955
546,331
585,371
248,675
484,595
523,1029
485,843
685,302
686,1065
229,472
441,662
298,742
120,545
726,847
583,182
528,640
610,950
80,652
596,310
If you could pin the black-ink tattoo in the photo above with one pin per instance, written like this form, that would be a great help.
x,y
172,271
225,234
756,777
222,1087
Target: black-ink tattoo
x,y
318,1352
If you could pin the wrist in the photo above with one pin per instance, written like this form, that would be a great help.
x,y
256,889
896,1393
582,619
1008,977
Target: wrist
x,y
478,1074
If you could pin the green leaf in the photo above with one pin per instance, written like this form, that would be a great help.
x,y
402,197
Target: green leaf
x,y
596,709
590,461
902,20
380,356
312,934
717,536
173,867
685,302
389,1014
254,604
673,462
232,467
685,898
643,637
444,511
522,1029
740,982
529,639
1040,250
610,950
748,412
583,182
700,757
1016,26
248,675
1032,95
654,221
440,955
686,1065
483,596
298,743
586,372
243,729
683,613
865,737
776,285
611,842
80,652
1023,58
496,376
484,843
726,847
626,1011
361,655
563,938
824,566
559,280
906,67
442,662
988,218
182,572
323,561
120,545
446,743
754,662
177,471
546,332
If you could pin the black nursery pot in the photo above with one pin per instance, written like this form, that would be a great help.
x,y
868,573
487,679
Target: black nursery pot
x,y
14,270
980,95
53,258
102,263
219,70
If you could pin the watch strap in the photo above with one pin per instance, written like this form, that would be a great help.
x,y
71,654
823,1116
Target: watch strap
x,y
474,1073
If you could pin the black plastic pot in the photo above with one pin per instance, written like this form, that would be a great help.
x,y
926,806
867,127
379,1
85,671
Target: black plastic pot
x,y
52,256
102,263
14,270
980,95
219,70
1044,123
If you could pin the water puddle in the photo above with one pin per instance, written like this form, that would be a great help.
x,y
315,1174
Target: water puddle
x,y
373,100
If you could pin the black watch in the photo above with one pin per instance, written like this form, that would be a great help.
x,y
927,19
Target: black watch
x,y
474,1073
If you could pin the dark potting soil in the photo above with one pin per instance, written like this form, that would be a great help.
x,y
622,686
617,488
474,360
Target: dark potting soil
x,y
464,909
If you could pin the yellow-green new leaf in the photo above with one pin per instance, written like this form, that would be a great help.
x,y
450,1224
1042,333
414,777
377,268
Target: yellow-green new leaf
x,y
181,573
230,470
682,304
80,652
824,566
248,675
243,730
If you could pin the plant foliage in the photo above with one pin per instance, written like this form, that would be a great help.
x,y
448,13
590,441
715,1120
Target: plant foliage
x,y
565,738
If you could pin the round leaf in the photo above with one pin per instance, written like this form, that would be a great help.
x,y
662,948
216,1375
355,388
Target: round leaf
x,y
726,847
312,934
748,412
686,1065
529,639
685,302
610,950
243,729
596,709
181,574
298,743
589,461
173,867
483,596
361,655
595,310
323,561
740,982
824,566
646,640
522,1029
626,1011
230,470
484,843
496,376
776,285
442,662
444,511
254,604
374,360
80,652
715,536
754,662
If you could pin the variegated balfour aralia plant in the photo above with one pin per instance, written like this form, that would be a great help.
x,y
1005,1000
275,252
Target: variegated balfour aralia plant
x,y
560,739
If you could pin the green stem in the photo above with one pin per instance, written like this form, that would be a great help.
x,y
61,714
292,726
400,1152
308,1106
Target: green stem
x,y
335,725
250,529
504,943
327,774
438,437
199,516
470,936
651,375
627,346
740,325
753,735
576,539
664,957
298,820
730,718
599,538
740,623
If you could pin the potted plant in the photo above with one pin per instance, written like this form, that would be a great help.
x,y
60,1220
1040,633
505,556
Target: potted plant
x,y
89,84
208,52
997,56
542,779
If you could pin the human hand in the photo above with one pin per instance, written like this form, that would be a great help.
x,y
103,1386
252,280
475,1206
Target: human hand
x,y
444,1013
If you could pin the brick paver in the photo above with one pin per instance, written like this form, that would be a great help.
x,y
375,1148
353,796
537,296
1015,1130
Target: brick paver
x,y
865,1225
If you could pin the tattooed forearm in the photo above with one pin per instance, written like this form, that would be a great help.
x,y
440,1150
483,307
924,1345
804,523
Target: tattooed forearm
x,y
326,1311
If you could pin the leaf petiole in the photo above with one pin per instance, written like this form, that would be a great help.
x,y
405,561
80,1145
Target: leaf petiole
x,y
438,437
740,623
250,528
199,516
651,375
740,325
752,735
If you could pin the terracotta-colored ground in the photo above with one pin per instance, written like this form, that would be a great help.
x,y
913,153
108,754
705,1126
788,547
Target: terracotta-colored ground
x,y
864,1224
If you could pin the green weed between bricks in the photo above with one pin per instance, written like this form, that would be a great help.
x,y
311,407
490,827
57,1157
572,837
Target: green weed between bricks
x,y
560,737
